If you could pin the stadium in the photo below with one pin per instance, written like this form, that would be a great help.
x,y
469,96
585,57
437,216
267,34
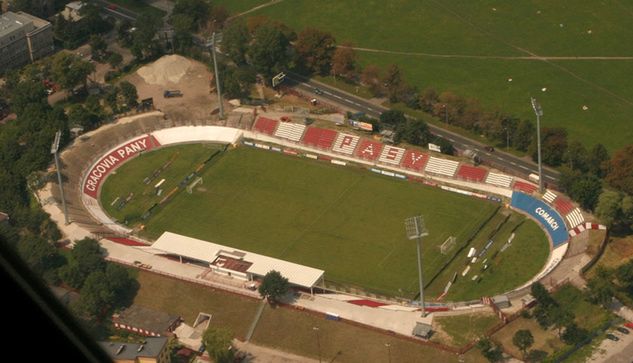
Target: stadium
x,y
324,207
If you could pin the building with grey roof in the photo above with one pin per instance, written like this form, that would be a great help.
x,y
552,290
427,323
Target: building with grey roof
x,y
23,38
152,350
144,321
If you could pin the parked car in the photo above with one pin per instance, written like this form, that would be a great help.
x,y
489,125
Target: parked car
x,y
622,330
489,149
612,337
174,93
318,91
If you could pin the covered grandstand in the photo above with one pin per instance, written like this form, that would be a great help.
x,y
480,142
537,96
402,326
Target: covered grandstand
x,y
236,263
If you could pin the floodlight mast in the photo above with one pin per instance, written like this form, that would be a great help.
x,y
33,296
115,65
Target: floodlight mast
x,y
54,149
538,110
217,75
415,229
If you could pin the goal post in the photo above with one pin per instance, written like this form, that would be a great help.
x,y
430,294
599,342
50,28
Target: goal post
x,y
193,184
447,245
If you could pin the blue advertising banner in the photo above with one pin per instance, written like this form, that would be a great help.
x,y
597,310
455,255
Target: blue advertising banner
x,y
544,214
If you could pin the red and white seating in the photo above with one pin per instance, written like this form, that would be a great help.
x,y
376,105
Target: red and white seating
x,y
415,160
345,143
500,180
290,131
575,218
562,205
471,173
441,166
527,188
265,125
368,149
320,138
549,196
391,155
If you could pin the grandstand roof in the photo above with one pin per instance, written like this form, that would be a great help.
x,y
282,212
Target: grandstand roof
x,y
197,249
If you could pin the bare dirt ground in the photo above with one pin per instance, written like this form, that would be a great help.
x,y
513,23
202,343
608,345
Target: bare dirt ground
x,y
173,72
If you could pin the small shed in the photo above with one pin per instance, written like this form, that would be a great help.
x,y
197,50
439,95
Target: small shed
x,y
422,330
501,301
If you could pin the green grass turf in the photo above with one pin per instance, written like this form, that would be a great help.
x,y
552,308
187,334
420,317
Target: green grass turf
x,y
515,29
129,178
463,329
348,222
588,315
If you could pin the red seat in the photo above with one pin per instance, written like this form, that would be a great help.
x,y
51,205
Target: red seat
x,y
318,137
525,187
415,160
265,125
471,173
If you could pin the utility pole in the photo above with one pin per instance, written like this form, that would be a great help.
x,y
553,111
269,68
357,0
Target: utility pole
x,y
538,110
54,149
217,76
415,229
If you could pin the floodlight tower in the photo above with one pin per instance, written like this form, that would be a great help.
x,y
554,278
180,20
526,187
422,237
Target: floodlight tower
x,y
415,229
538,110
54,149
217,75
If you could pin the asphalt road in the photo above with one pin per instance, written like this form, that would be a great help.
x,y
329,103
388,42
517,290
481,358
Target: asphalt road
x,y
498,159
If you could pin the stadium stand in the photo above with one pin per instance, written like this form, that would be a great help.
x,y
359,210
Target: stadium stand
x,y
562,205
524,187
391,155
290,131
575,218
265,125
320,138
345,143
414,160
500,180
549,196
441,166
471,173
368,149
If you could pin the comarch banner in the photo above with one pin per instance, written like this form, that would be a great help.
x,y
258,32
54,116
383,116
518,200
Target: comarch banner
x,y
544,214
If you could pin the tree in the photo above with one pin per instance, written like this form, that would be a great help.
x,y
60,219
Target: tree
x,y
574,335
235,40
542,296
268,51
415,132
600,287
218,343
40,255
98,47
344,62
115,60
428,99
237,82
27,93
445,145
620,174
128,91
586,191
96,296
143,44
394,83
490,351
523,340
85,258
608,207
597,160
370,77
561,317
524,135
553,146
315,49
197,10
273,286
70,71
576,156
393,117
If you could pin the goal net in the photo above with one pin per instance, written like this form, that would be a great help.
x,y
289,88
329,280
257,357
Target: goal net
x,y
447,245
193,184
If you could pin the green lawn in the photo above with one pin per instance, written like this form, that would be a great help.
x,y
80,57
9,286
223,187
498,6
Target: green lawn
x,y
293,331
519,28
348,222
588,316
462,329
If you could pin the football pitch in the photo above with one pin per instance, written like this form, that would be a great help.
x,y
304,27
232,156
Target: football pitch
x,y
346,221
501,53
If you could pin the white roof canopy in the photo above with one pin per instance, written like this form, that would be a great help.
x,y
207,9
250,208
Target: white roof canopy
x,y
197,249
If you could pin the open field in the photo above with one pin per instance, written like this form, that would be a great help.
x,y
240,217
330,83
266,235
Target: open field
x,y
462,329
348,222
282,328
472,48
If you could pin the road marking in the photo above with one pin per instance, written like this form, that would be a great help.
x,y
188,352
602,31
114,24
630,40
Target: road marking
x,y
523,167
452,140
513,163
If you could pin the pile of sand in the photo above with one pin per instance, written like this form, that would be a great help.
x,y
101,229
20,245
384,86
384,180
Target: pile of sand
x,y
168,69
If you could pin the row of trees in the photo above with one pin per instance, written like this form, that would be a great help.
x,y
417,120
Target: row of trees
x,y
74,33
